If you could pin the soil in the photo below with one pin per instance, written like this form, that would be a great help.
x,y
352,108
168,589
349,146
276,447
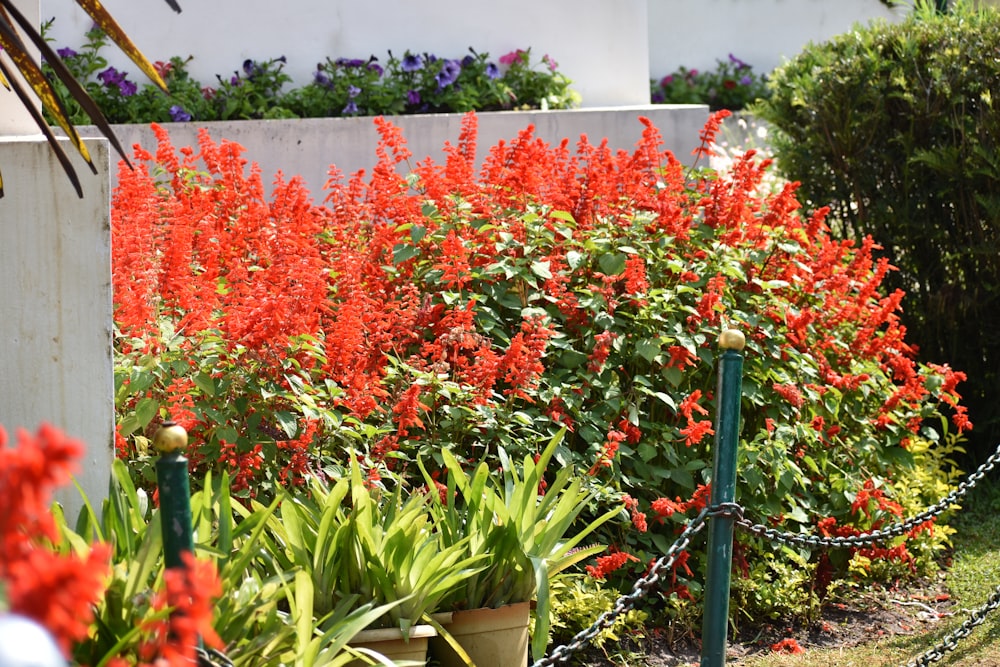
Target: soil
x,y
873,613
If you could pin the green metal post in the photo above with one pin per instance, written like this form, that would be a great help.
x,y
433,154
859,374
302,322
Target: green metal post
x,y
715,625
175,493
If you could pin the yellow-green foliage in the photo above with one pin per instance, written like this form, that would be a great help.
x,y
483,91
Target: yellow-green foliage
x,y
578,601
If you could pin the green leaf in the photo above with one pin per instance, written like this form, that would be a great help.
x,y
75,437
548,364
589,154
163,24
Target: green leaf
x,y
612,263
288,423
404,252
648,348
646,452
541,269
574,259
145,410
205,382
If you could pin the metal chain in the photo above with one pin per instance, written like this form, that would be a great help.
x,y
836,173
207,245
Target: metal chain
x,y
627,602
874,536
212,658
949,643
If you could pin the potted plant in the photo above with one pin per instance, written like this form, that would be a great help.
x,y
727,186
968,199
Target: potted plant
x,y
377,549
523,525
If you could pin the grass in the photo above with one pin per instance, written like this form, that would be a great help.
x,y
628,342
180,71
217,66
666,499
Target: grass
x,y
973,577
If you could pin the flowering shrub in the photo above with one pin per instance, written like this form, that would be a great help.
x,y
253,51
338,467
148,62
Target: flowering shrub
x,y
553,288
415,83
733,85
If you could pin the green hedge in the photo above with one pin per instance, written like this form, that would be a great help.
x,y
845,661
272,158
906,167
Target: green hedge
x,y
897,128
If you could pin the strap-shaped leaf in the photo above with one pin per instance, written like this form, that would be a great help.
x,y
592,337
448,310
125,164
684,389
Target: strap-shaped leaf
x,y
108,24
72,85
40,121
16,50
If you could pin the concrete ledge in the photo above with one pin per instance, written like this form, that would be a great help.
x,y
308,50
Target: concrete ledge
x,y
308,147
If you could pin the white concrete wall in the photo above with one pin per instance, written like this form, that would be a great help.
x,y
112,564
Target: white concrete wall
x,y
308,147
55,304
763,33
599,44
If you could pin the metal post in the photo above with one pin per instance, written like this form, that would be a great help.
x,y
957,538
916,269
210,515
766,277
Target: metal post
x,y
715,625
175,492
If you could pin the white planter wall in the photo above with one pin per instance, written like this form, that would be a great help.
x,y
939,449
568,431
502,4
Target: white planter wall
x,y
55,307
307,147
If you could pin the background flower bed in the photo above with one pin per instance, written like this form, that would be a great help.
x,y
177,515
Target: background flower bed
x,y
731,85
555,289
412,83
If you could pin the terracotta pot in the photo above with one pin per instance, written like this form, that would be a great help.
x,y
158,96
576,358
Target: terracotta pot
x,y
392,643
491,637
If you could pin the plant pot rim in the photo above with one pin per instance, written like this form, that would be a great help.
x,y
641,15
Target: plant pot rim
x,y
384,634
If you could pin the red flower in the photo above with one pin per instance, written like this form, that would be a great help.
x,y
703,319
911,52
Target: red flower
x,y
57,590
608,564
787,646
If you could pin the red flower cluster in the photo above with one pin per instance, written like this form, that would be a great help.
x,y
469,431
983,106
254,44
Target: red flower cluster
x,y
56,589
189,594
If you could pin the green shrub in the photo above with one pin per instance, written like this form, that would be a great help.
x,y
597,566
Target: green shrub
x,y
897,128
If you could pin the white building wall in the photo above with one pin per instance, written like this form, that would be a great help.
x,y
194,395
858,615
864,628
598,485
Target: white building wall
x,y
600,44
763,33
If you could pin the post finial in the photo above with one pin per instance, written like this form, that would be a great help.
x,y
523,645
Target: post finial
x,y
170,437
731,339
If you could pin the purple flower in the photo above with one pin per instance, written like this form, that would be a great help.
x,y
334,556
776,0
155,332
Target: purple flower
x,y
467,60
249,67
66,53
110,77
746,80
739,63
351,108
178,114
448,74
126,87
492,71
350,62
322,79
375,67
412,63
413,97
658,97
353,91
235,81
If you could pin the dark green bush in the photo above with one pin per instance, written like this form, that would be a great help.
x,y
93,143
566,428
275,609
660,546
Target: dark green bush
x,y
897,128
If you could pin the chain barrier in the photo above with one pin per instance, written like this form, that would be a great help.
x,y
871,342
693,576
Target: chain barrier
x,y
627,602
734,510
950,641
874,536
212,658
